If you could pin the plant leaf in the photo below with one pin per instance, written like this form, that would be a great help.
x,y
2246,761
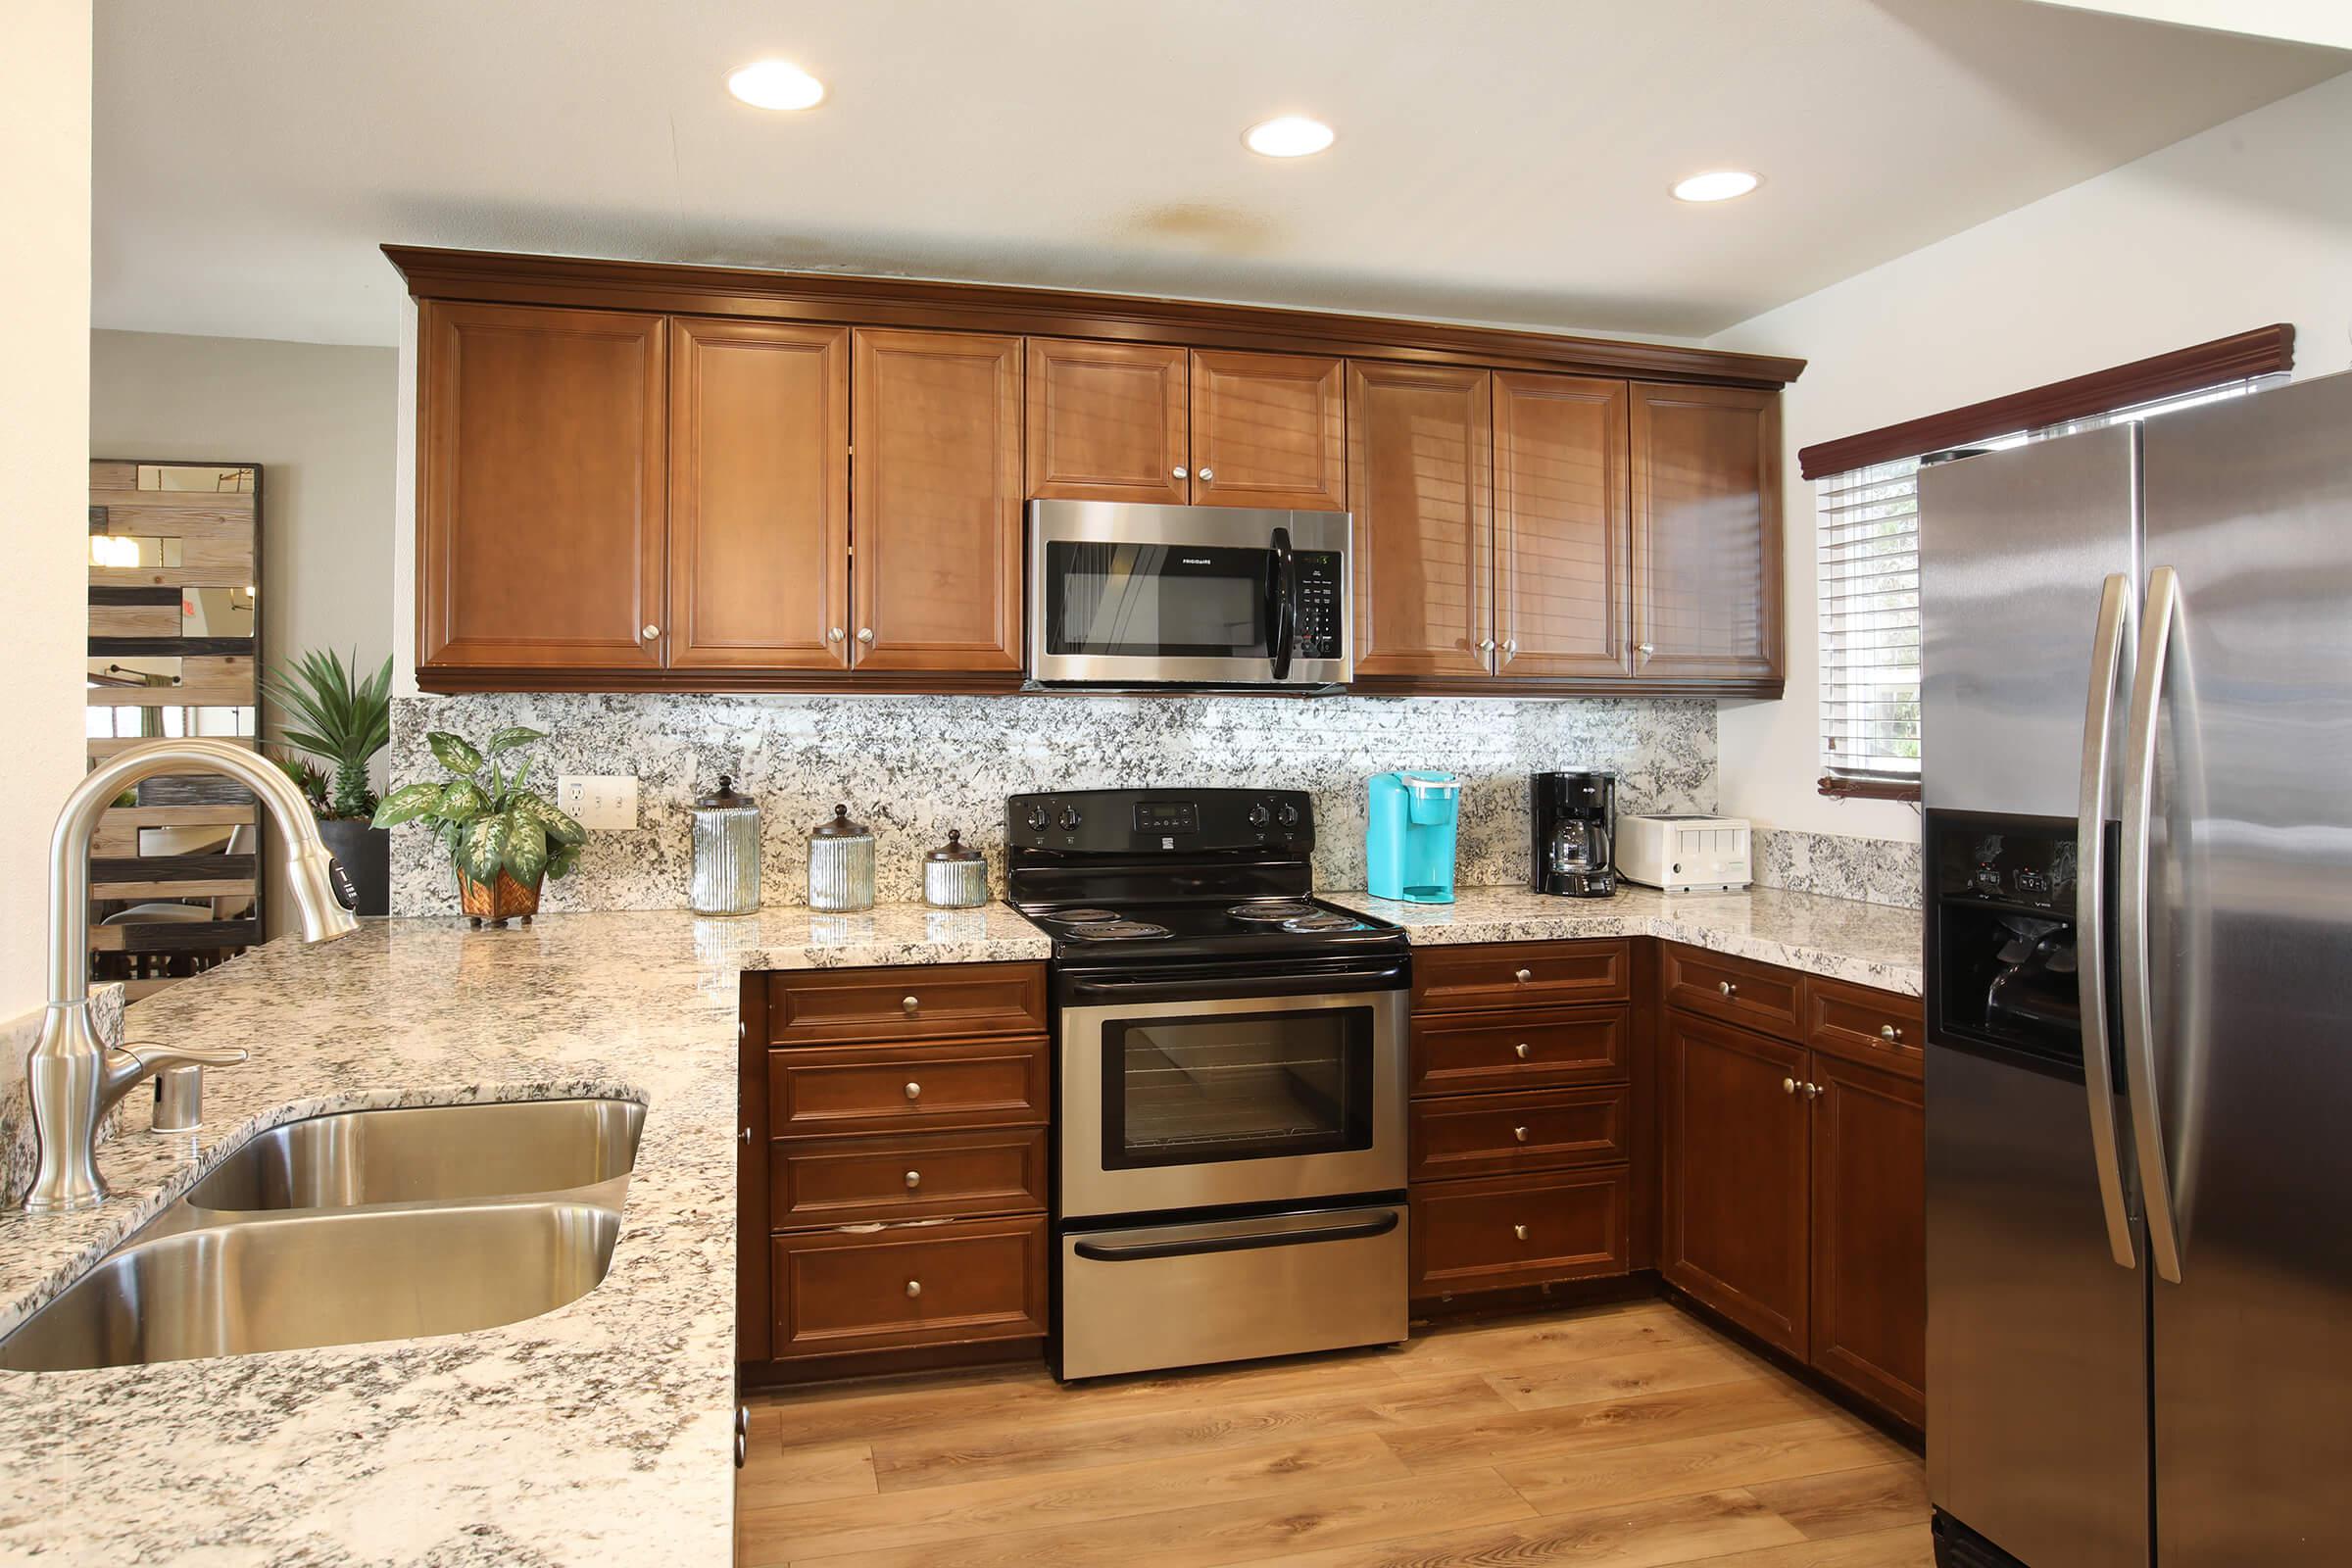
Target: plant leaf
x,y
561,860
512,736
454,752
485,848
408,803
527,849
462,802
560,825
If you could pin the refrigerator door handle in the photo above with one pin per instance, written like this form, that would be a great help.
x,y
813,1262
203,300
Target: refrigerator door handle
x,y
2157,625
2090,859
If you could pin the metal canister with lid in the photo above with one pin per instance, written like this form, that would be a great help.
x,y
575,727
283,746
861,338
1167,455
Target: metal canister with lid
x,y
725,878
841,864
955,875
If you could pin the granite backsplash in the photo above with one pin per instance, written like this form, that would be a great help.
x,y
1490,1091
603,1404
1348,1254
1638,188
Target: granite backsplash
x,y
913,768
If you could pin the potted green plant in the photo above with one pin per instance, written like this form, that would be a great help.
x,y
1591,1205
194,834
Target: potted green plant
x,y
328,712
501,837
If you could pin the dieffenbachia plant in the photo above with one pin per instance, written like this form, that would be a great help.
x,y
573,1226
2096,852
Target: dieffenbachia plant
x,y
483,817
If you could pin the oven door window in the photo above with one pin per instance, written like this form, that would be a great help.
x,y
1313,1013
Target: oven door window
x,y
1202,1090
1156,600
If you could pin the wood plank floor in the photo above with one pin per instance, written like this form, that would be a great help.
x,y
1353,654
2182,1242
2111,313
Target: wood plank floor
x,y
1626,1435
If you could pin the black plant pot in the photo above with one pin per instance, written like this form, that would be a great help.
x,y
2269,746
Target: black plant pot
x,y
367,856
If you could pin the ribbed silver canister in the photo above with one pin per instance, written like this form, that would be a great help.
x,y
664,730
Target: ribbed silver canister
x,y
955,875
841,864
725,879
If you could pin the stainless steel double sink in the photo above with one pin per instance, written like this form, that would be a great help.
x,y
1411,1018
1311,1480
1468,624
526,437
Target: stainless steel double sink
x,y
356,1226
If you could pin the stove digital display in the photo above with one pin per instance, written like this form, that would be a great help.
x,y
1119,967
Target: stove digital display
x,y
1168,817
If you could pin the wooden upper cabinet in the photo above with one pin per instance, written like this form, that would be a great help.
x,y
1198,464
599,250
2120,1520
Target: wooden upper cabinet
x,y
1707,511
1420,466
1562,538
541,491
1107,421
1269,430
936,569
759,496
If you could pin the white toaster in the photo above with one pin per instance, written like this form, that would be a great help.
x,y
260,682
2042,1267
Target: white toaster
x,y
1683,854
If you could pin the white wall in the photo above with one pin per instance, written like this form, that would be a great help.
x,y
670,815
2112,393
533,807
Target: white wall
x,y
319,418
2248,224
44,450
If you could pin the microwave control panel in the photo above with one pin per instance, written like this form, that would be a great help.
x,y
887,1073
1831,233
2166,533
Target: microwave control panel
x,y
1320,583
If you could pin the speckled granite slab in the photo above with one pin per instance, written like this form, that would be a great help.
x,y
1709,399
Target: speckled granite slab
x,y
1868,943
598,1433
1839,865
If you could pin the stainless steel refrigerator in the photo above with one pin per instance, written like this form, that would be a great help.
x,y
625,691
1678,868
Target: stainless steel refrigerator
x,y
2136,752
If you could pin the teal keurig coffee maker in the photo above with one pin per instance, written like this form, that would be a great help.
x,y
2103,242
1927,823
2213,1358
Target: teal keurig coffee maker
x,y
1408,837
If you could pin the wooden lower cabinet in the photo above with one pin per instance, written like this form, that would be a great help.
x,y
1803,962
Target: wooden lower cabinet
x,y
893,1288
1870,1277
1503,1231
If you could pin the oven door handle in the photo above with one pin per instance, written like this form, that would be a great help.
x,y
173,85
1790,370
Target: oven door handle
x,y
1233,1242
1281,605
1241,989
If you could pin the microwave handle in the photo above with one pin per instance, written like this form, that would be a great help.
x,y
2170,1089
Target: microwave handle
x,y
1281,605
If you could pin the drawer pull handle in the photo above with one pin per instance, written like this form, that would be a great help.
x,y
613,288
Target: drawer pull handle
x,y
1519,1230
914,1179
1887,1030
1520,1051
1787,1086
915,1287
1520,1133
915,1091
1524,976
1726,988
908,1005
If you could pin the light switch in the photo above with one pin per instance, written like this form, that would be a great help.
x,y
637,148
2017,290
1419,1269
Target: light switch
x,y
599,802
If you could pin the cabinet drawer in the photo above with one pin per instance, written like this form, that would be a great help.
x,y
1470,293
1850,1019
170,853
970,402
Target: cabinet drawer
x,y
1853,1021
812,1007
881,1288
885,1089
1506,974
1486,1135
1760,995
835,1181
1530,1049
1502,1231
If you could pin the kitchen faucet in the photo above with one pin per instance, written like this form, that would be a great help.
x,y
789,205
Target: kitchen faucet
x,y
73,1077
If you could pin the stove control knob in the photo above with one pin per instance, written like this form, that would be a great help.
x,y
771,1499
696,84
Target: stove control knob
x,y
1288,817
1069,819
1039,822
1261,815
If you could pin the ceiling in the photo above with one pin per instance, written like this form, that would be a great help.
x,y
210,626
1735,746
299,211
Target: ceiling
x,y
1504,161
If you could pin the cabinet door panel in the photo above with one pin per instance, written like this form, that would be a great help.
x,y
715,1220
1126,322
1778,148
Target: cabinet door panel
x,y
1269,430
759,495
1107,421
540,500
1420,466
935,573
1870,1284
1735,1148
1560,532
1706,510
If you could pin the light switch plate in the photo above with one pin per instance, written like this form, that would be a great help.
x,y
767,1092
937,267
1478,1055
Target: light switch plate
x,y
599,802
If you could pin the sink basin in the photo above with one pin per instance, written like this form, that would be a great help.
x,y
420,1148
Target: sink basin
x,y
434,1153
297,1281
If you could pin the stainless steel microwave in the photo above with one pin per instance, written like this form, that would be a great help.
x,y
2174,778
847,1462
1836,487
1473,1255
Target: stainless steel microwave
x,y
1123,595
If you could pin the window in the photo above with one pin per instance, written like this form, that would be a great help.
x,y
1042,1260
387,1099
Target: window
x,y
1867,539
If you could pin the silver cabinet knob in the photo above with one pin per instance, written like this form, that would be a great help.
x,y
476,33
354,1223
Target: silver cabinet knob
x,y
833,634
1208,474
1726,988
1520,1051
651,631
865,635
1485,644
1519,1133
1510,645
1177,472
1520,1231
1787,1086
910,1005
915,1287
1887,1030
1812,1091
1645,649
915,1091
1523,976
914,1179
747,1135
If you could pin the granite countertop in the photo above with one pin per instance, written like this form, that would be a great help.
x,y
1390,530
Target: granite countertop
x,y
598,1433
1868,943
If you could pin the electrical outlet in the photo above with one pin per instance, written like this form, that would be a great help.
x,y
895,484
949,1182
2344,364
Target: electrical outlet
x,y
599,802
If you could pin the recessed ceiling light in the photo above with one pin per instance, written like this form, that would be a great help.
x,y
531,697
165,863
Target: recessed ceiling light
x,y
777,84
1288,136
1718,185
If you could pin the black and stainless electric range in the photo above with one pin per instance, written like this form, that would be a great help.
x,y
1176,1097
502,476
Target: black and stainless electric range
x,y
1230,1081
